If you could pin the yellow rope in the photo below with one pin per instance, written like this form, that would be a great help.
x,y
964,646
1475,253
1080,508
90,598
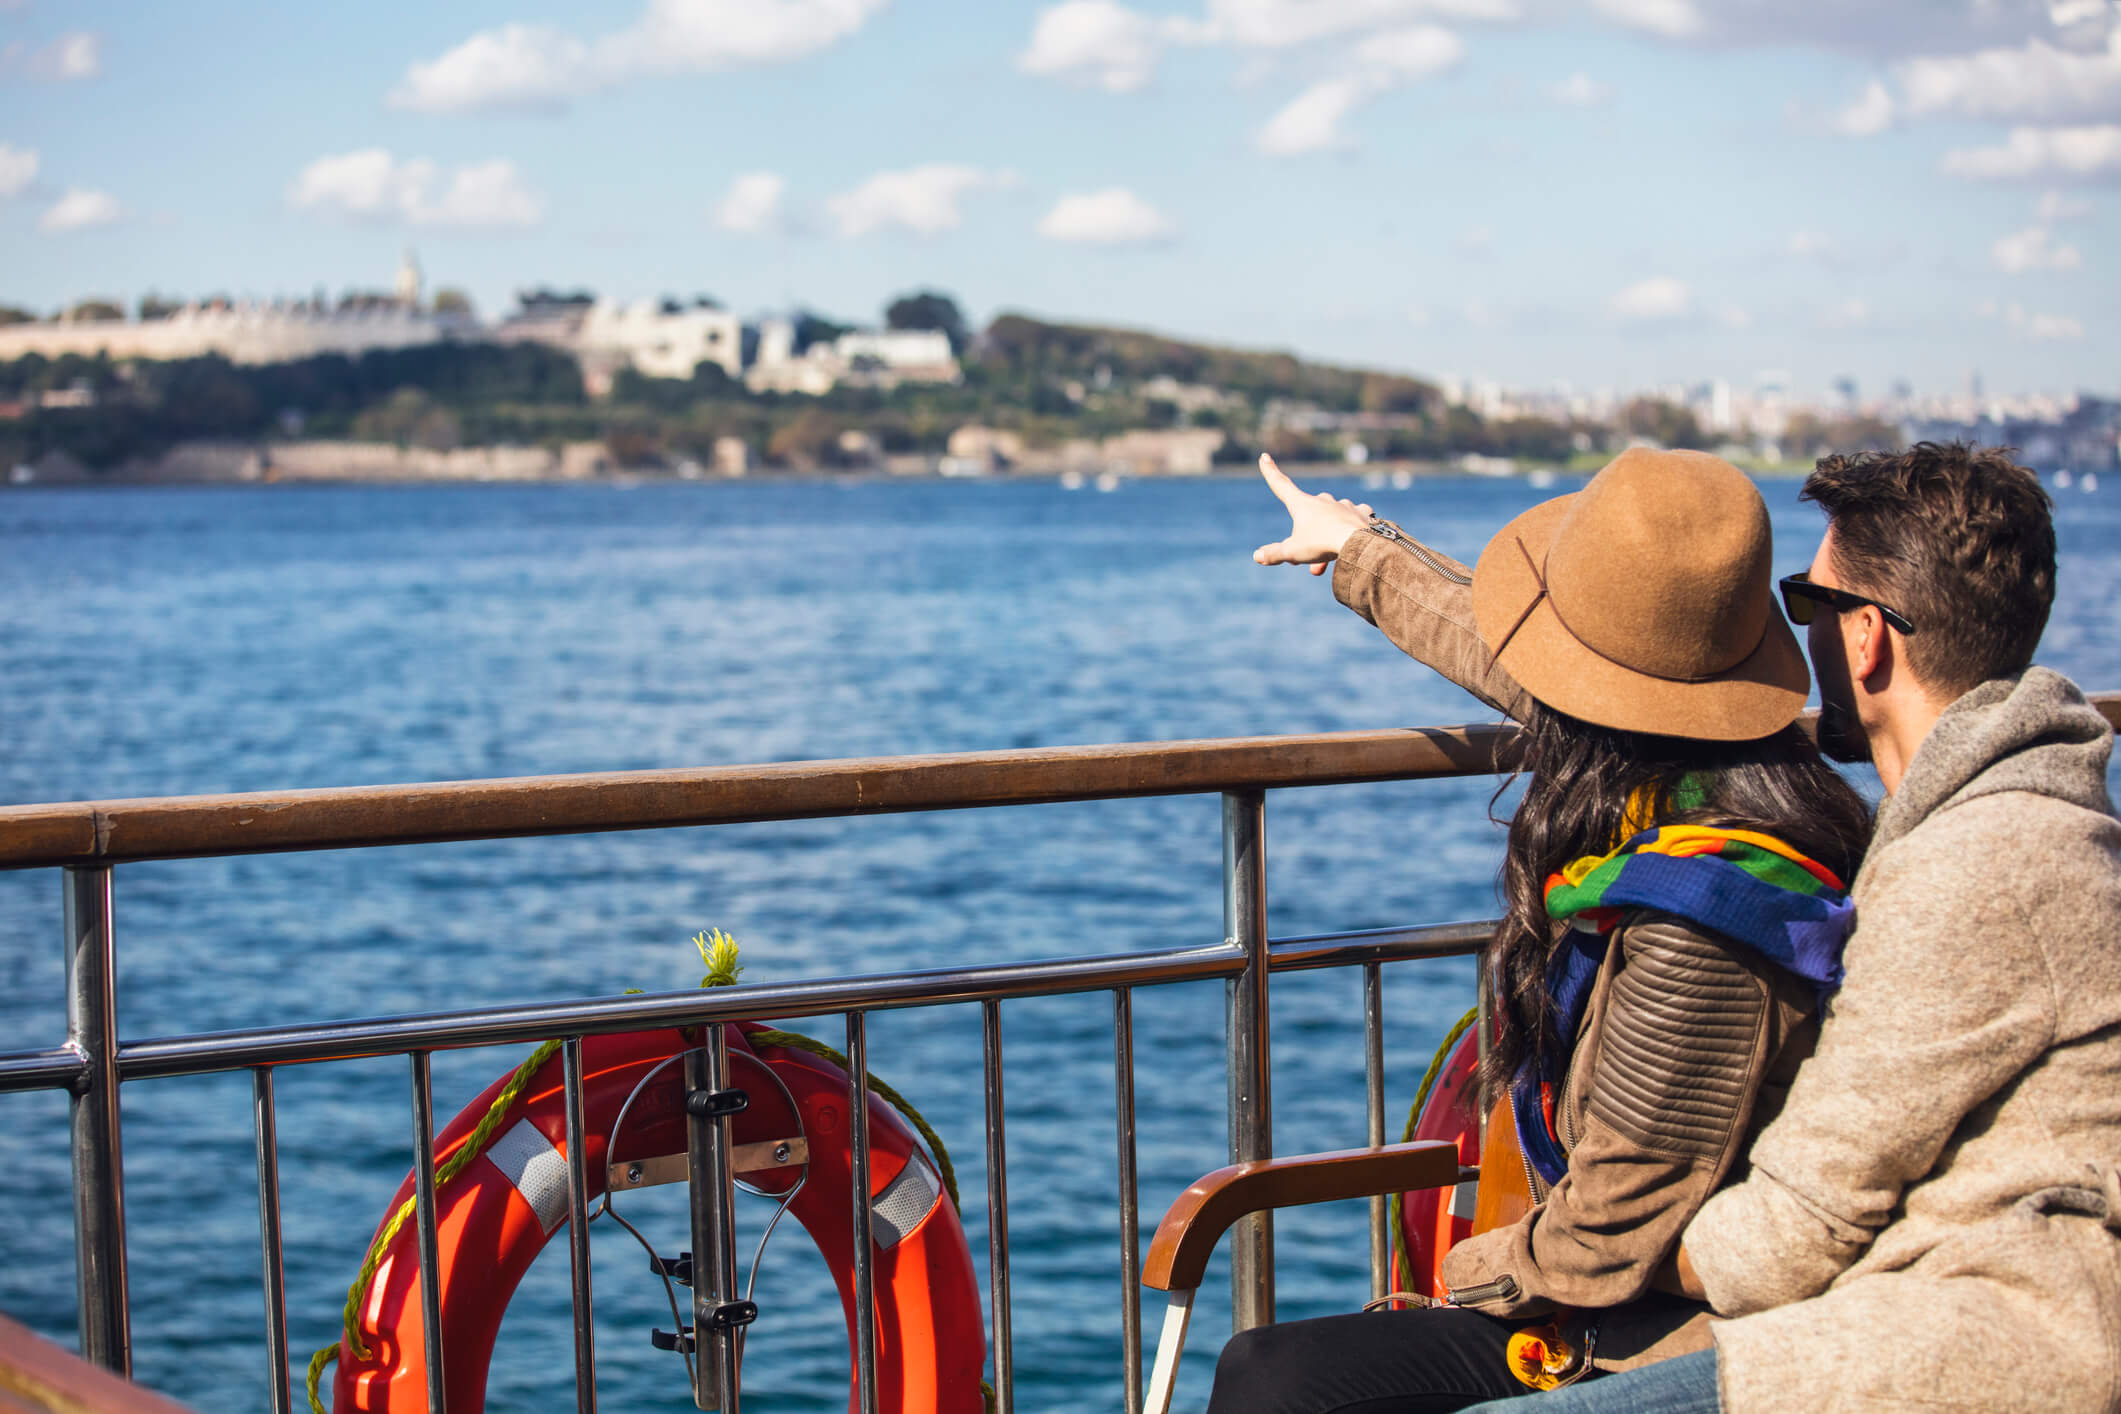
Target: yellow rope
x,y
796,1041
1421,1097
474,1145
719,953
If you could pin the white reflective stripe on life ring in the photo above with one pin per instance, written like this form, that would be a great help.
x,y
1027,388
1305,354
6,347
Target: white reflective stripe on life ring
x,y
536,1168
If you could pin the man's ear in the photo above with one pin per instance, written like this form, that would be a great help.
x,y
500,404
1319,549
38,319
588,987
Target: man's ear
x,y
1868,649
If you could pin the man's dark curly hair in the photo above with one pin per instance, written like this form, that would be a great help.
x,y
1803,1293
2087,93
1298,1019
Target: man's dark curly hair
x,y
1959,539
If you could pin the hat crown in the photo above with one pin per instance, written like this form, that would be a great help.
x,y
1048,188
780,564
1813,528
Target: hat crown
x,y
1662,565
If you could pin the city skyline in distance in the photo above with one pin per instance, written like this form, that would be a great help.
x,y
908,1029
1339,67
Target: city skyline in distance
x,y
1612,193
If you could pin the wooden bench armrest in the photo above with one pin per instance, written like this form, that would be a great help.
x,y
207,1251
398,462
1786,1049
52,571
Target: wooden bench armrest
x,y
38,1377
1178,1256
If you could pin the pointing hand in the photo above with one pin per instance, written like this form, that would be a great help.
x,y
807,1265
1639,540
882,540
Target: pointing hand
x,y
1318,525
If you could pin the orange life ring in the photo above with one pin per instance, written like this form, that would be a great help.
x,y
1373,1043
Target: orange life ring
x,y
497,1215
1435,1219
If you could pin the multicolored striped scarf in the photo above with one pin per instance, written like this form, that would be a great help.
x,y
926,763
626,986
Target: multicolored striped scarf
x,y
1749,887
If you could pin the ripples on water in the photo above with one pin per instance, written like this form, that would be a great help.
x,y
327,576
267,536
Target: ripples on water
x,y
194,640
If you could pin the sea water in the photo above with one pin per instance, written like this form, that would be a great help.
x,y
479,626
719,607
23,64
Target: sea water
x,y
187,640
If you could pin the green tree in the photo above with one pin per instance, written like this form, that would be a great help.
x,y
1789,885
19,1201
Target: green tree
x,y
453,301
153,306
15,314
928,309
1665,423
96,309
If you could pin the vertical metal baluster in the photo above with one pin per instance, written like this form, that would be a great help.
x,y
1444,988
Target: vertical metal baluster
x,y
864,1246
267,1127
423,1168
1251,1102
713,1182
997,1210
1483,1029
585,1339
1130,1257
1373,1035
98,1151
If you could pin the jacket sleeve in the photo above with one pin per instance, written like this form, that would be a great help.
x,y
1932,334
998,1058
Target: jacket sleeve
x,y
1947,997
1677,1062
1423,601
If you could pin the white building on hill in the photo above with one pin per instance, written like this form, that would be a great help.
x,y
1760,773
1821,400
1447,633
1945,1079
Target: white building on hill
x,y
873,358
662,342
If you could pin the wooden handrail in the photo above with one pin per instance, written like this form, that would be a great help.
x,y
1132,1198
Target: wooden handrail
x,y
1178,1255
266,822
177,827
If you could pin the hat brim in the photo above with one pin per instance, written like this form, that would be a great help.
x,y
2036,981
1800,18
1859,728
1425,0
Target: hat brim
x,y
1756,698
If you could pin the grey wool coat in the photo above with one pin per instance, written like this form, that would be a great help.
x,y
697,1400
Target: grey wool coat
x,y
1934,1218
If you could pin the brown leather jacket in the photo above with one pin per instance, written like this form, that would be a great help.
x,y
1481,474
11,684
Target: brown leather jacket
x,y
1685,1050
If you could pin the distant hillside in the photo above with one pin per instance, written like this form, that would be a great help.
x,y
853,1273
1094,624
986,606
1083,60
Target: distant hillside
x,y
1018,346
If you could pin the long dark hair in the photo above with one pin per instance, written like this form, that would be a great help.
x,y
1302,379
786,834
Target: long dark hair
x,y
1581,780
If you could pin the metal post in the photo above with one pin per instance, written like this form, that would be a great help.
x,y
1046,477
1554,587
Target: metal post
x,y
1251,1088
714,1369
1373,1036
864,1242
585,1340
1483,1029
268,1133
423,1168
1130,1256
98,1154
997,1209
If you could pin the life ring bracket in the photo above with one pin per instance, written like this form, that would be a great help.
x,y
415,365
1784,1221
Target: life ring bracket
x,y
764,1156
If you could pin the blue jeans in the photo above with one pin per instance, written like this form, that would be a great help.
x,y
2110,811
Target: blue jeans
x,y
1684,1385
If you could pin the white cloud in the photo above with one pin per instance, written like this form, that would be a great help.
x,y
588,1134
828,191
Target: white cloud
x,y
1580,90
78,55
487,193
1094,41
1674,19
1660,299
1869,115
2049,154
752,205
18,168
921,199
1733,317
1474,240
80,209
1278,24
2038,327
1114,216
542,67
2034,248
1419,52
373,185
2036,81
1311,121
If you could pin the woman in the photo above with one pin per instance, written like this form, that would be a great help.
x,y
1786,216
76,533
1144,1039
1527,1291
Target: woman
x,y
1674,912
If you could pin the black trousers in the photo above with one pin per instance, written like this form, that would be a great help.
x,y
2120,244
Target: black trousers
x,y
1373,1362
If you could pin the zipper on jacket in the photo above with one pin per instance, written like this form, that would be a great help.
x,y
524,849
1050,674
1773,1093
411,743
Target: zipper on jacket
x,y
1503,1288
1392,532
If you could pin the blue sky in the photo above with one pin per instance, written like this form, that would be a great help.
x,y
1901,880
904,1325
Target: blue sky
x,y
1607,192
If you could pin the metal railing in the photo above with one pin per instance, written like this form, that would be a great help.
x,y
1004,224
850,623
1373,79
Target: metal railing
x,y
87,840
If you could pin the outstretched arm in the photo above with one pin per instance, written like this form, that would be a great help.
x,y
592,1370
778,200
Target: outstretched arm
x,y
1420,599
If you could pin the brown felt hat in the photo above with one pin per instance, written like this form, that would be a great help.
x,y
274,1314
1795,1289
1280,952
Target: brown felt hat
x,y
1645,602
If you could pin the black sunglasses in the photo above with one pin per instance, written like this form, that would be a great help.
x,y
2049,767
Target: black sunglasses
x,y
1799,594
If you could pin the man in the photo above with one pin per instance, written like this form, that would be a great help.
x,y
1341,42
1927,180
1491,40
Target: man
x,y
1935,1216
